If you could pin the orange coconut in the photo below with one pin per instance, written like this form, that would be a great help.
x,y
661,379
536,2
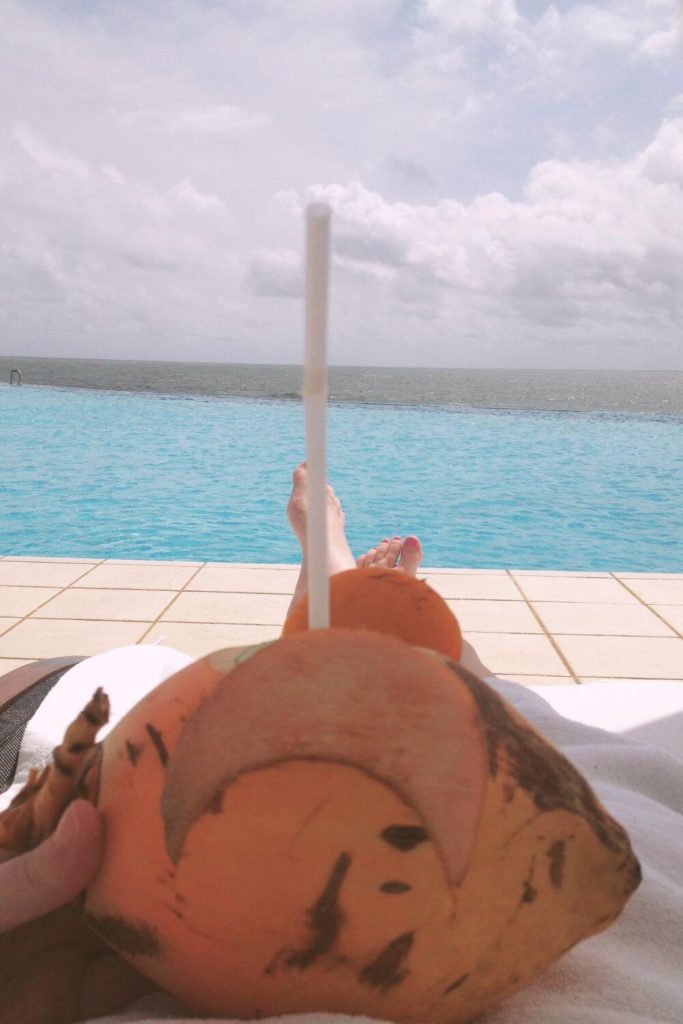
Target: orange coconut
x,y
340,822
389,602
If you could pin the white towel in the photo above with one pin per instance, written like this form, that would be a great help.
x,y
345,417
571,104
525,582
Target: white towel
x,y
126,674
633,972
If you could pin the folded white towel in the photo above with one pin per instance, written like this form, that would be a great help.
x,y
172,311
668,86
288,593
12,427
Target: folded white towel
x,y
126,674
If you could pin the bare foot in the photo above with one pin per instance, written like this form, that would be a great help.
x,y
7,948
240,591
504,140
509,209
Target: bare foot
x,y
394,553
339,556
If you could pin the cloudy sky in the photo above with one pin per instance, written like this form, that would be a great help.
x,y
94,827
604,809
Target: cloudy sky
x,y
506,178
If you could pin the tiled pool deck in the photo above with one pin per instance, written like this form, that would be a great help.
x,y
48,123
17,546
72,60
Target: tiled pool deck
x,y
533,627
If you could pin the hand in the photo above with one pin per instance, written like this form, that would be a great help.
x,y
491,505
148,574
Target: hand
x,y
53,970
35,883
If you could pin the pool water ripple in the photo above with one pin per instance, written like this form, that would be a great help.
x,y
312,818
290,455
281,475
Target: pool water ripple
x,y
104,474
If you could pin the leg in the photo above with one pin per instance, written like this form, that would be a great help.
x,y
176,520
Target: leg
x,y
396,553
392,553
339,556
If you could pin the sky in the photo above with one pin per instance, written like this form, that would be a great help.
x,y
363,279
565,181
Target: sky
x,y
506,180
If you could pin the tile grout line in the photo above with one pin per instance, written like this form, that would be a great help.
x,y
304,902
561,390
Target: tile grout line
x,y
60,591
175,622
240,622
546,633
197,567
170,603
649,607
243,593
235,622
667,623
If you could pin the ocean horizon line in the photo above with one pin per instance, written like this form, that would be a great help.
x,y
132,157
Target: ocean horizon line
x,y
624,371
628,392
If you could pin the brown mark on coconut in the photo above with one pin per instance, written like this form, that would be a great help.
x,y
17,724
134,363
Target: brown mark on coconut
x,y
556,855
404,837
325,919
133,751
548,778
456,984
387,970
395,887
158,741
528,892
137,939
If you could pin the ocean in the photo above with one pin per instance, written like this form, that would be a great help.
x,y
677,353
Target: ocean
x,y
632,392
526,470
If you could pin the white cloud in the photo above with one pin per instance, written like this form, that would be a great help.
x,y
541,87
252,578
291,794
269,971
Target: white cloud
x,y
601,26
107,254
496,210
48,157
276,273
662,160
186,191
208,120
648,29
591,247
473,15
663,43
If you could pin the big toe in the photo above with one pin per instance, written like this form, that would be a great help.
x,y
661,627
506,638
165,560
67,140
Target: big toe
x,y
299,475
411,555
297,504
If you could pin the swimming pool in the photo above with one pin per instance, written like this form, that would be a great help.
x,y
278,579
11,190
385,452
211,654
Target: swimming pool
x,y
117,475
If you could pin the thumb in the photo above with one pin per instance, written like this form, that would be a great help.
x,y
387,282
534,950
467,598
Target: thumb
x,y
35,883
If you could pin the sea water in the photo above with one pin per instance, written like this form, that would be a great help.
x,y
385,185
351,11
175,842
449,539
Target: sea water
x,y
106,474
627,391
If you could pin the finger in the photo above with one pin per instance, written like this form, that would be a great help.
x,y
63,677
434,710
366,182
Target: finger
x,y
35,883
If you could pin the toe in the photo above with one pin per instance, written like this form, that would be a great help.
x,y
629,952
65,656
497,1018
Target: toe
x,y
393,551
297,505
411,555
381,550
369,558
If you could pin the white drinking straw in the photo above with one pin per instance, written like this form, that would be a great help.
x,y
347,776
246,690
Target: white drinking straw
x,y
315,408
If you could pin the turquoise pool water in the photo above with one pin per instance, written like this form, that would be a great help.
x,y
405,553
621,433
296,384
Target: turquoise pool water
x,y
117,475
